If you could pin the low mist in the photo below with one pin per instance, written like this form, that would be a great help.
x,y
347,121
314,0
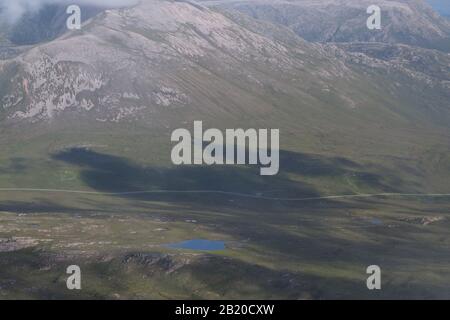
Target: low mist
x,y
12,10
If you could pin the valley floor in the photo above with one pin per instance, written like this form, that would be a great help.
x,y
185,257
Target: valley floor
x,y
317,249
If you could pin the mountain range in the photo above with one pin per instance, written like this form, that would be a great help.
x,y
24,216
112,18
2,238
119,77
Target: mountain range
x,y
411,22
360,112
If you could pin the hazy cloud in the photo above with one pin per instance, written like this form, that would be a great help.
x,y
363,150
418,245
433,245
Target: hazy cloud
x,y
12,10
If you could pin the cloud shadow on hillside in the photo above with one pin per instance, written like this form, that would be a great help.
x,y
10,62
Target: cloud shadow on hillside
x,y
113,174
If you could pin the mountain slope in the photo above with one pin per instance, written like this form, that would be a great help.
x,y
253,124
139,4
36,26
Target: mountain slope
x,y
174,54
432,63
